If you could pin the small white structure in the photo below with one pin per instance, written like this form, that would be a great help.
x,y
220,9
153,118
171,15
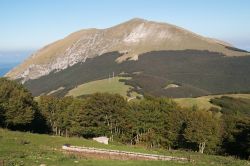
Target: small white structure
x,y
103,140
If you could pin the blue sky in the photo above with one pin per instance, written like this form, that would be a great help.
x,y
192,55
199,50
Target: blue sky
x,y
31,24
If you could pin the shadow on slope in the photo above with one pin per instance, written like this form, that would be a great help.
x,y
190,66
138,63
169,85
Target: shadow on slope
x,y
198,72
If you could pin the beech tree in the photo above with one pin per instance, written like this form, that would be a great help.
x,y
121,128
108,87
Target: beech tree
x,y
150,119
236,138
104,114
202,129
76,118
1,116
176,121
48,107
16,104
56,112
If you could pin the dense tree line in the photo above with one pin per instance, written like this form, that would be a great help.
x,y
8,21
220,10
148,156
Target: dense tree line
x,y
236,122
152,122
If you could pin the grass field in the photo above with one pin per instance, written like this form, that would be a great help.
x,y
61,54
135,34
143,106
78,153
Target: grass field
x,y
203,102
112,85
19,148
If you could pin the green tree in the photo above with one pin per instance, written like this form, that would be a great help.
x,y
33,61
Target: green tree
x,y
56,112
104,114
99,114
62,119
236,139
1,116
75,118
17,104
203,130
176,122
150,120
48,107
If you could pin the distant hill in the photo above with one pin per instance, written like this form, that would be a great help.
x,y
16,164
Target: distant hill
x,y
153,54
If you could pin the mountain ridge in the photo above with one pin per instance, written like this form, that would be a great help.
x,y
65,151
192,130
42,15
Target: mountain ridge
x,y
132,38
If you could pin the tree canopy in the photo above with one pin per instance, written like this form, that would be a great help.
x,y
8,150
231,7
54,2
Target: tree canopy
x,y
16,104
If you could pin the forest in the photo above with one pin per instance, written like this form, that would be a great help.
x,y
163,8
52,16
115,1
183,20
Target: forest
x,y
198,73
153,122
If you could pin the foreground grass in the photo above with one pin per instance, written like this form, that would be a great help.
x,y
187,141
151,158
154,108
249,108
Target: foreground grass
x,y
203,102
19,148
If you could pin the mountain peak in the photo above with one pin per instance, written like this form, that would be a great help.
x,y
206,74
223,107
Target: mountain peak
x,y
137,19
135,37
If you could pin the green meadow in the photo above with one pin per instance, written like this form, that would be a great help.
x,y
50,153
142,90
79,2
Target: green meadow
x,y
21,148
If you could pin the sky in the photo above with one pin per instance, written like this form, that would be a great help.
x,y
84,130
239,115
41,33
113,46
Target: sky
x,y
32,24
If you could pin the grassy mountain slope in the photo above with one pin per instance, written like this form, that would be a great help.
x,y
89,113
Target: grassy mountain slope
x,y
18,148
204,101
198,73
110,85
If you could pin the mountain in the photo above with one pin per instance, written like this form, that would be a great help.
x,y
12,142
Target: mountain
x,y
159,53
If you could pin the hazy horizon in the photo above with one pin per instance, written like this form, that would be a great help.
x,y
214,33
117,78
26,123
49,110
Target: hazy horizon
x,y
10,59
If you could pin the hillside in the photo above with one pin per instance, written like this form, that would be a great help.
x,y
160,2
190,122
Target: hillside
x,y
110,85
161,53
198,73
204,101
19,148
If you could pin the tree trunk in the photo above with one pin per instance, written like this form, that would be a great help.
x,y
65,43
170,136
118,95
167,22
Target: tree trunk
x,y
66,133
56,131
137,139
202,147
